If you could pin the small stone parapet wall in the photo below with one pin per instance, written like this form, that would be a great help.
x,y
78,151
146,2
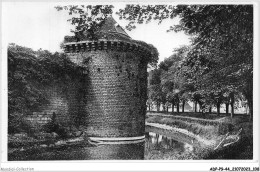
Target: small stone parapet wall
x,y
38,119
64,105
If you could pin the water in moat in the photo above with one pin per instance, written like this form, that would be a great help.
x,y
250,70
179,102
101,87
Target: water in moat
x,y
159,146
156,146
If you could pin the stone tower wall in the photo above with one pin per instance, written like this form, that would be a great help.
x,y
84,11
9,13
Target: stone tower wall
x,y
116,92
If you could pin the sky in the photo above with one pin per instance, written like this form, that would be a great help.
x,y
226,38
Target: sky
x,y
39,25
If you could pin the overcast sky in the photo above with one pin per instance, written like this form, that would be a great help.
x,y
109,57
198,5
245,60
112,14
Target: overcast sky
x,y
40,25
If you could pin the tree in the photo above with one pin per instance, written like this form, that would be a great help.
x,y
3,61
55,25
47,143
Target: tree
x,y
87,18
154,87
23,68
149,102
222,34
173,79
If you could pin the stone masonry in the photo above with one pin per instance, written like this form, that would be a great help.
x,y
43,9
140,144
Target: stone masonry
x,y
117,73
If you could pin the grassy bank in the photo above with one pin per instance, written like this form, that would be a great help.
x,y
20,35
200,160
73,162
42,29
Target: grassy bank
x,y
209,133
200,115
208,129
244,148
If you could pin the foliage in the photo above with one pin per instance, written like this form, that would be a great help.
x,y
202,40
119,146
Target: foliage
x,y
87,18
22,69
222,60
154,87
16,124
221,57
144,14
173,80
153,56
28,72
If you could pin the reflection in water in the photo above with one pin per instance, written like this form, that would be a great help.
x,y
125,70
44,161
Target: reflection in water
x,y
83,151
156,142
156,147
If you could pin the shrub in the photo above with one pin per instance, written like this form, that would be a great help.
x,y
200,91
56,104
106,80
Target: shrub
x,y
223,128
50,127
17,124
61,130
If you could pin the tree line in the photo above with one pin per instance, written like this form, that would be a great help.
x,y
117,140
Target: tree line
x,y
216,68
173,84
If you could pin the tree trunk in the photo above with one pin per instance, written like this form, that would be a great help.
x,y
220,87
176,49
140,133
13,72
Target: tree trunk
x,y
227,108
164,109
158,106
183,105
232,110
232,100
247,109
178,106
196,106
173,106
248,92
218,109
202,108
250,105
157,139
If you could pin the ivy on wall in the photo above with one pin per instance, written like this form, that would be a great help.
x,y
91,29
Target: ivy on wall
x,y
29,72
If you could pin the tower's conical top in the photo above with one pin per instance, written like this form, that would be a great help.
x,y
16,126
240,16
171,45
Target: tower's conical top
x,y
110,26
109,30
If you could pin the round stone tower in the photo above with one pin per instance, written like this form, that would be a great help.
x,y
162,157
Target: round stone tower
x,y
116,90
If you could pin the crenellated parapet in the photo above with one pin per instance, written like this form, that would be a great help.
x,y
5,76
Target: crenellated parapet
x,y
102,44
